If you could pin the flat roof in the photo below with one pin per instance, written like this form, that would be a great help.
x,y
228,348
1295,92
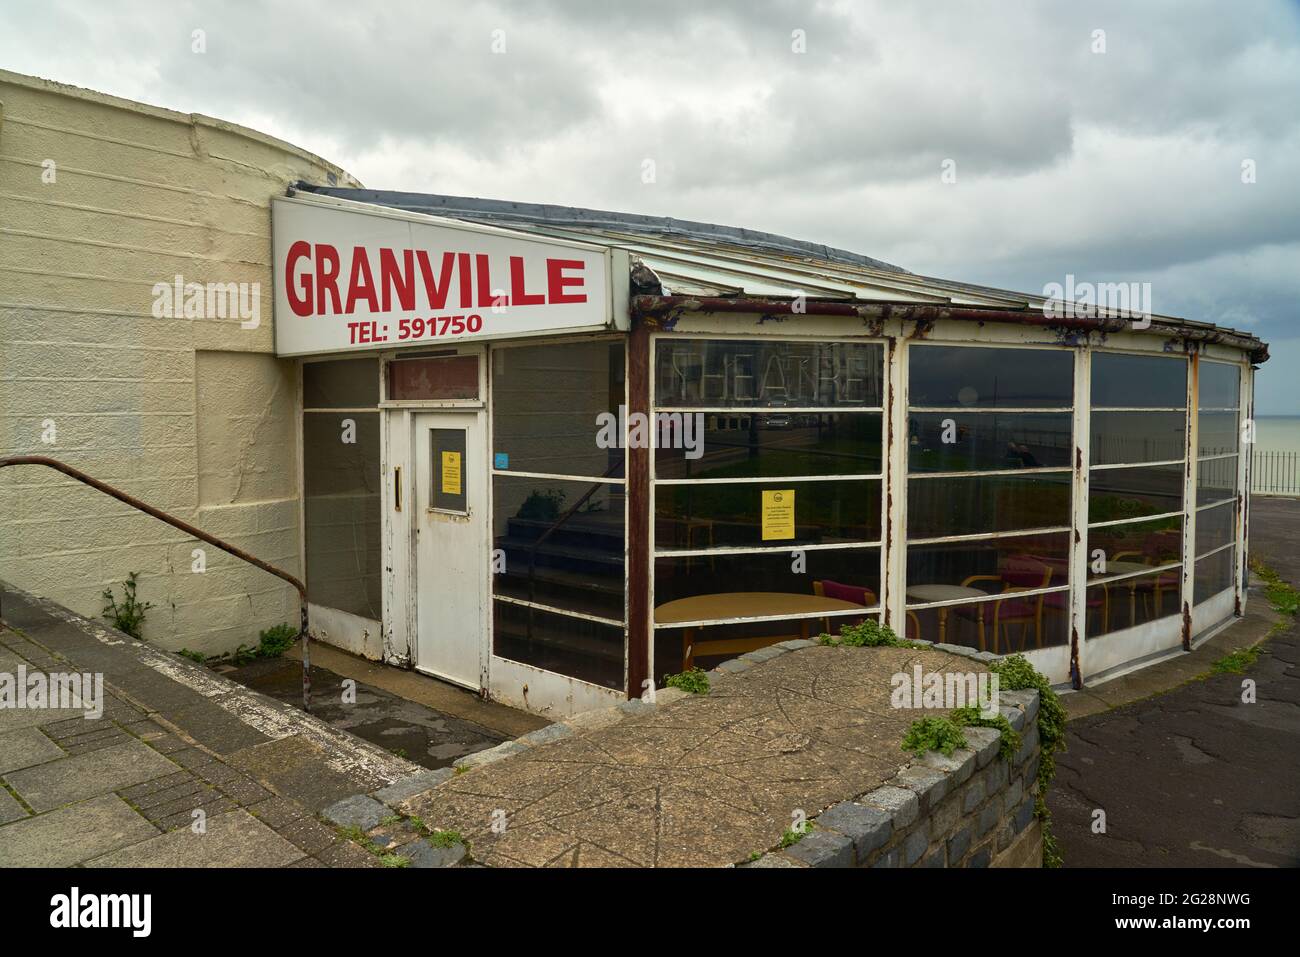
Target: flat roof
x,y
694,260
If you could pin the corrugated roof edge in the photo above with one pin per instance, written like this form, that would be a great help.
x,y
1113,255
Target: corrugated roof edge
x,y
650,301
503,211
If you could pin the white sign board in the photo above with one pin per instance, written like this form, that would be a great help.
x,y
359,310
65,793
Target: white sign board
x,y
347,279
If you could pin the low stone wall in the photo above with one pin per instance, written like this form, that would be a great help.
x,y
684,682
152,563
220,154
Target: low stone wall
x,y
973,809
711,780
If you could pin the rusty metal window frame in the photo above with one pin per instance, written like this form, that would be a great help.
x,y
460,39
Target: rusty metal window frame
x,y
876,610
909,476
1108,579
1239,495
488,367
300,413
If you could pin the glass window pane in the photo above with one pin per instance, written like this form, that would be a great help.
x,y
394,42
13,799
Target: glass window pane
x,y
1215,526
1003,625
1114,494
718,373
974,377
1216,480
1155,382
851,575
562,541
586,650
1220,385
442,377
942,570
1119,549
714,516
745,444
1119,605
966,506
1212,575
340,384
555,406
341,508
1123,437
978,441
1217,433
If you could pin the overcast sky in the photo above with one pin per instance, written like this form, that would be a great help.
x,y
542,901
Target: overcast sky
x,y
1122,165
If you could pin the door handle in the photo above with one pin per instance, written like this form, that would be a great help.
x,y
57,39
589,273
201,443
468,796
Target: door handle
x,y
397,489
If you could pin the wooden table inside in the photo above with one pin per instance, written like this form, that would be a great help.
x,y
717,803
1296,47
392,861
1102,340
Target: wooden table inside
x,y
742,604
929,593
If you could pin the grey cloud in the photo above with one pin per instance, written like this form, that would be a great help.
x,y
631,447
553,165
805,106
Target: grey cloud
x,y
1119,165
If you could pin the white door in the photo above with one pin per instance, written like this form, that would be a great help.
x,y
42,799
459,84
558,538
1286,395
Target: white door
x,y
450,527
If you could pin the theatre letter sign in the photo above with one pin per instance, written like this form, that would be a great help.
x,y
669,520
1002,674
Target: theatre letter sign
x,y
350,279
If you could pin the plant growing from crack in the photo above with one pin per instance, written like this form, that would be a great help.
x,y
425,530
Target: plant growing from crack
x,y
793,836
446,839
1236,662
128,616
933,734
695,681
970,717
388,859
867,634
1015,673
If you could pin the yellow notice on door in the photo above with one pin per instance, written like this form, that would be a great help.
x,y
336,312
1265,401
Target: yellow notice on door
x,y
450,473
778,514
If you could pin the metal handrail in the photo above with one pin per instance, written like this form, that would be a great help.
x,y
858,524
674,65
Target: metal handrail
x,y
188,529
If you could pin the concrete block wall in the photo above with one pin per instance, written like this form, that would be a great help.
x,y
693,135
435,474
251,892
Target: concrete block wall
x,y
101,199
974,808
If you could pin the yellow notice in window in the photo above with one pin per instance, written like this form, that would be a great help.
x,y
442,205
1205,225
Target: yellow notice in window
x,y
450,473
778,514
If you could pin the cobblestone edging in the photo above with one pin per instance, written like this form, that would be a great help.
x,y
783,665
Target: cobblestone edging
x,y
959,811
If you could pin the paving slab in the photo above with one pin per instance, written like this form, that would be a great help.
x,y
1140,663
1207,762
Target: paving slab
x,y
11,719
215,728
73,834
10,809
235,839
11,661
72,779
25,747
296,767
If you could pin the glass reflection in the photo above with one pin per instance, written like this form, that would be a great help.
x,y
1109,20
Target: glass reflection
x,y
717,373
746,444
966,506
1138,382
1119,438
978,441
977,377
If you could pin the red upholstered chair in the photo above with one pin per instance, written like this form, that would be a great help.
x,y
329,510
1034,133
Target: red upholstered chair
x,y
859,595
1060,601
1018,573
